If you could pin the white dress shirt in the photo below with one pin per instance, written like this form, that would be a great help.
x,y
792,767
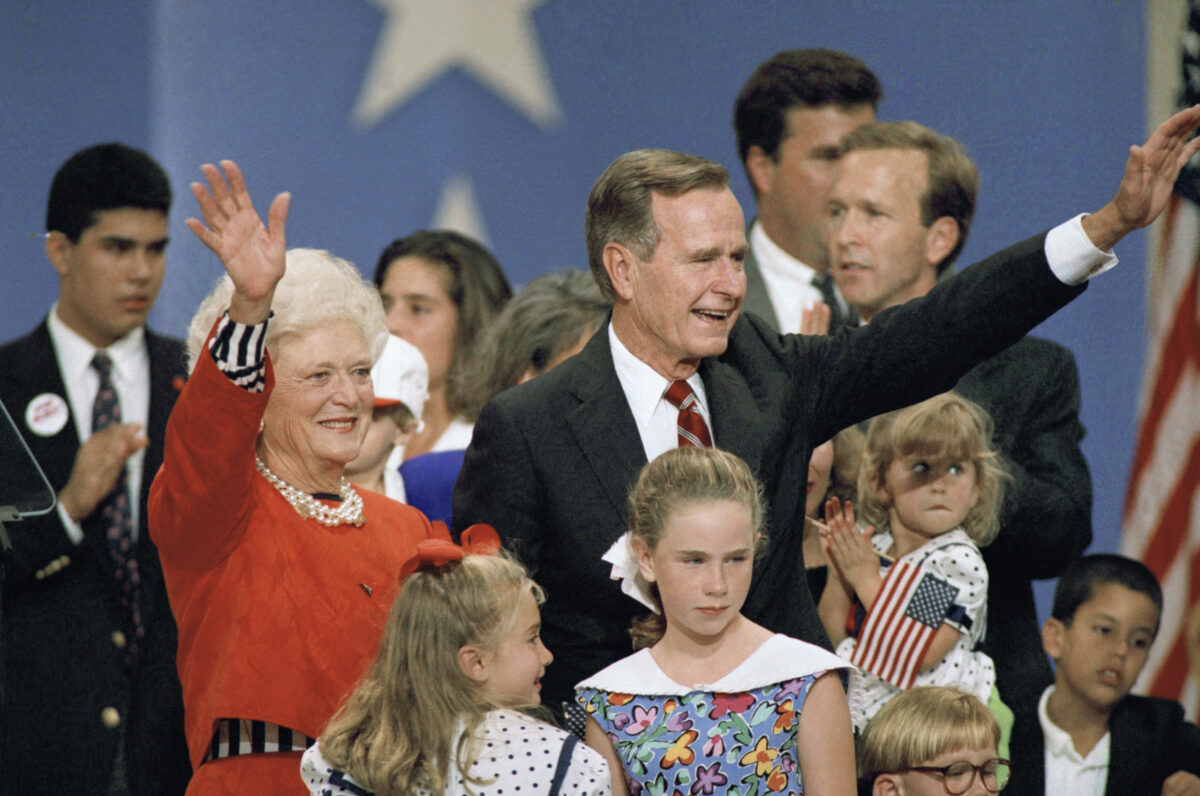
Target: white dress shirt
x,y
788,281
131,378
1067,772
645,392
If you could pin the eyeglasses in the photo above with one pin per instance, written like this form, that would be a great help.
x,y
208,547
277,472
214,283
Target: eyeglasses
x,y
959,776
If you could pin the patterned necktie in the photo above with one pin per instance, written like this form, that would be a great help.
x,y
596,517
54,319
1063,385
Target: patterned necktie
x,y
690,426
823,281
116,516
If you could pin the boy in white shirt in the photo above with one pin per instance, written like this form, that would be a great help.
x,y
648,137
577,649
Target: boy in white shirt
x,y
1097,738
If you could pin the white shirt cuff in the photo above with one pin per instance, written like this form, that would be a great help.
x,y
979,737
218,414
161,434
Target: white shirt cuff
x,y
1072,256
74,530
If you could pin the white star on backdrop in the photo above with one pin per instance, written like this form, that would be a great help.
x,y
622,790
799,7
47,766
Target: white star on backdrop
x,y
492,40
459,210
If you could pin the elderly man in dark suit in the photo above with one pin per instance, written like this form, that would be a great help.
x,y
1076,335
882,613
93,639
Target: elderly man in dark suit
x,y
91,699
925,185
551,461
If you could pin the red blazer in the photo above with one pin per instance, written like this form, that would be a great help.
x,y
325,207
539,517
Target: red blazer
x,y
278,616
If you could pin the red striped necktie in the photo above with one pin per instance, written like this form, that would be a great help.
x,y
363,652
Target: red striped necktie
x,y
690,426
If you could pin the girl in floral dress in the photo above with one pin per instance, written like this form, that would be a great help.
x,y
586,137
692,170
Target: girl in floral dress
x,y
712,703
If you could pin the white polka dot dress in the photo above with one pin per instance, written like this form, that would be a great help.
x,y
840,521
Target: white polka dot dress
x,y
518,757
954,558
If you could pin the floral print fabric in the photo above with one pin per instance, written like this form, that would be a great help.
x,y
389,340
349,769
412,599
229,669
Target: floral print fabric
x,y
705,743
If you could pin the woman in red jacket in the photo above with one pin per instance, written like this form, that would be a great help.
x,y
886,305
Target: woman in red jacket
x,y
280,574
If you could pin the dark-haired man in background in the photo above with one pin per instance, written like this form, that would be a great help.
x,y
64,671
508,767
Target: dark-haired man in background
x,y
91,696
789,118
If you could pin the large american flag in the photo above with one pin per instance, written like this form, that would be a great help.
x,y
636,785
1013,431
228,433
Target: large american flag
x,y
1161,524
902,623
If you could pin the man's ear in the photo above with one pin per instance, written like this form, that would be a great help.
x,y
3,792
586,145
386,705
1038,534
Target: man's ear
x,y
1052,637
760,168
940,239
58,250
644,558
619,262
471,662
887,785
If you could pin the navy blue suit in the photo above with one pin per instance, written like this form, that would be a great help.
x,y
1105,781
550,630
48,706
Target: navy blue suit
x,y
61,667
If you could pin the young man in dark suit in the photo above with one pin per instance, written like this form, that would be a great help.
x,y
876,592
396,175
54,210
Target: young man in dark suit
x,y
902,204
91,696
789,118
551,461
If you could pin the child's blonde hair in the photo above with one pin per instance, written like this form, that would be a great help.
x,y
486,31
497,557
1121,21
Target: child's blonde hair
x,y
395,732
680,477
946,426
921,724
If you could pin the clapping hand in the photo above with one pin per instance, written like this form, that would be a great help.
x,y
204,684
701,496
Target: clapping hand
x,y
815,319
1181,783
850,552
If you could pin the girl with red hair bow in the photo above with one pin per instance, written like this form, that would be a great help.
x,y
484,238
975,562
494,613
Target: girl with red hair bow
x,y
444,708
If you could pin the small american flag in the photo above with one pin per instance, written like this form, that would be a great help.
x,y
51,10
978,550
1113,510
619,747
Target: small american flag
x,y
901,625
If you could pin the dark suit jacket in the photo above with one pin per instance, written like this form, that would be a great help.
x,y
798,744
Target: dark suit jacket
x,y
60,666
552,460
1150,741
1031,390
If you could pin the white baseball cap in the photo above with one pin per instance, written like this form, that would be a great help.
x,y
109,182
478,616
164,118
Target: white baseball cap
x,y
401,376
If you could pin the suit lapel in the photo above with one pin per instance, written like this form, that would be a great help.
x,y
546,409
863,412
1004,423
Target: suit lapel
x,y
603,425
734,413
757,300
166,380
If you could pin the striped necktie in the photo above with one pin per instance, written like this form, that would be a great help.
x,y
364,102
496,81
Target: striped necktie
x,y
690,426
117,517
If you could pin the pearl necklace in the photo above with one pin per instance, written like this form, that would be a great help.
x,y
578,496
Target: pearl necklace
x,y
308,507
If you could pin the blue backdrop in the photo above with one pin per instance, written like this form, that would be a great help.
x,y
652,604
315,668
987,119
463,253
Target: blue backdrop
x,y
501,113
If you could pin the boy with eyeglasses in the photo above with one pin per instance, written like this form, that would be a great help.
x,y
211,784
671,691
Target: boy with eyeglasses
x,y
931,741
1096,737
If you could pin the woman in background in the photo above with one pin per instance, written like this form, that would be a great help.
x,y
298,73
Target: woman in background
x,y
550,320
440,290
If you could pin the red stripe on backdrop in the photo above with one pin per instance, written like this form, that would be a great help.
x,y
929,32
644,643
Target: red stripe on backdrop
x,y
1174,526
1171,675
1179,352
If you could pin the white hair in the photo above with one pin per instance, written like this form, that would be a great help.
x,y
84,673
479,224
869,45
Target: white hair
x,y
318,288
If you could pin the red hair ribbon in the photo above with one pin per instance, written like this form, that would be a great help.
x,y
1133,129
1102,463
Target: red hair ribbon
x,y
478,539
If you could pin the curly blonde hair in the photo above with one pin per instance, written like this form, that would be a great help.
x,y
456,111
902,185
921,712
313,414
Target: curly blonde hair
x,y
946,426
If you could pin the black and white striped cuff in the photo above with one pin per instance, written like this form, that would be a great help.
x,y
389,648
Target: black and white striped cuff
x,y
239,351
234,737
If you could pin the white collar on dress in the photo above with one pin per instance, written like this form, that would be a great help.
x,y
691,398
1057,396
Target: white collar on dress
x,y
778,659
